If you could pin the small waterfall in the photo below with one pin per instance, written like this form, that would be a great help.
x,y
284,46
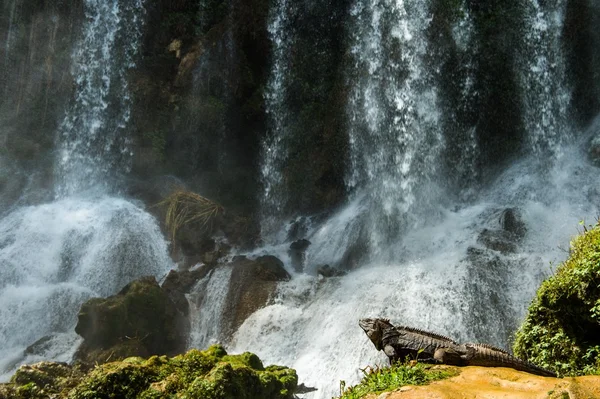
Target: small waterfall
x,y
543,79
274,154
207,302
57,255
92,140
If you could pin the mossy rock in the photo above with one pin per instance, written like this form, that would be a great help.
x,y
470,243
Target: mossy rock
x,y
209,374
562,328
141,320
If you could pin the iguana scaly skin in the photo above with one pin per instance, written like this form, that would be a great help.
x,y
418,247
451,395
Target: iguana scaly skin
x,y
398,343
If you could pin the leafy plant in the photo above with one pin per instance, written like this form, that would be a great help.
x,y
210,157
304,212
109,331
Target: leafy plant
x,y
184,207
378,379
562,328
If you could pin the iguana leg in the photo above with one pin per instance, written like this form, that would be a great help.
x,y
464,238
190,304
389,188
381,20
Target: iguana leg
x,y
391,354
449,356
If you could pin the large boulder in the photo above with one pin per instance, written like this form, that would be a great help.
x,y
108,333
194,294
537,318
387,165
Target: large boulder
x,y
141,320
252,284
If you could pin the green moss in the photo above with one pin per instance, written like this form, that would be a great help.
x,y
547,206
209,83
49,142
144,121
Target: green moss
x,y
388,379
562,328
209,374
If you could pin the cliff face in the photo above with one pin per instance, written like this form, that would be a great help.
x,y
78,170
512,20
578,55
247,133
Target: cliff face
x,y
201,86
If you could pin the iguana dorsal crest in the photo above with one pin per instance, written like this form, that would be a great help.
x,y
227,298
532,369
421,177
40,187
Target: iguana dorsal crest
x,y
491,347
428,334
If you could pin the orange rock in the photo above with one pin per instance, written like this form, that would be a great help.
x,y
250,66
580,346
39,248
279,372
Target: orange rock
x,y
496,383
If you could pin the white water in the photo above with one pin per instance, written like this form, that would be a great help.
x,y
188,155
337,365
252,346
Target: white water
x,y
55,256
395,133
273,148
542,71
92,140
86,243
428,266
207,301
431,283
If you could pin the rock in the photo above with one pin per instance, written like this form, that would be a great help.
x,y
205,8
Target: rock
x,y
328,271
140,320
179,283
498,240
297,252
40,346
209,374
594,150
511,221
496,383
252,284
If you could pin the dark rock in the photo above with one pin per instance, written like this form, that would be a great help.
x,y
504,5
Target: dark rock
x,y
297,253
511,221
40,346
594,151
141,320
179,283
328,271
498,240
252,284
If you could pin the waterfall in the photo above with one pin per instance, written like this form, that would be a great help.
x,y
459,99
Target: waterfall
x,y
86,243
395,137
207,302
545,94
273,148
92,140
464,266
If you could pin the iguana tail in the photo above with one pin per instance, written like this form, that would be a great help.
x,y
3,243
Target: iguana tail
x,y
489,356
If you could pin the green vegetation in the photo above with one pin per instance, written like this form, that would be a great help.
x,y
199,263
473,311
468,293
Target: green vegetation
x,y
388,379
209,374
562,329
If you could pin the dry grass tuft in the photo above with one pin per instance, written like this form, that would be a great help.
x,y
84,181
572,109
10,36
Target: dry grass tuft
x,y
185,207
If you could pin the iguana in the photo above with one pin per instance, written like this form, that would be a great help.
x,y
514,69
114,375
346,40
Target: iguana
x,y
398,343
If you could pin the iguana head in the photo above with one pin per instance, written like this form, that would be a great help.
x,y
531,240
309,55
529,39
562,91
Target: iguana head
x,y
374,329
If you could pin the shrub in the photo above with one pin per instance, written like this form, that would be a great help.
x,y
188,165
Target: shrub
x,y
562,328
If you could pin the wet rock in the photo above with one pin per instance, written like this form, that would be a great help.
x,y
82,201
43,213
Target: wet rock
x,y
511,221
594,151
40,346
297,252
178,283
328,271
498,240
252,284
141,320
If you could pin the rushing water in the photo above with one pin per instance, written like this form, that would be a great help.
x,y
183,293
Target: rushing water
x,y
273,151
86,243
92,143
433,261
545,93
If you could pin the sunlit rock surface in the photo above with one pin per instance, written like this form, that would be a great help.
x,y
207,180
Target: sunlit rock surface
x,y
495,383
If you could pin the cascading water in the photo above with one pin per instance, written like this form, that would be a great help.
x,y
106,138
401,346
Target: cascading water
x,y
86,243
92,140
273,150
470,270
545,94
395,137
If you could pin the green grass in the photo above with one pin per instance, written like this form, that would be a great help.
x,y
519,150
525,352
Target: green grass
x,y
377,380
